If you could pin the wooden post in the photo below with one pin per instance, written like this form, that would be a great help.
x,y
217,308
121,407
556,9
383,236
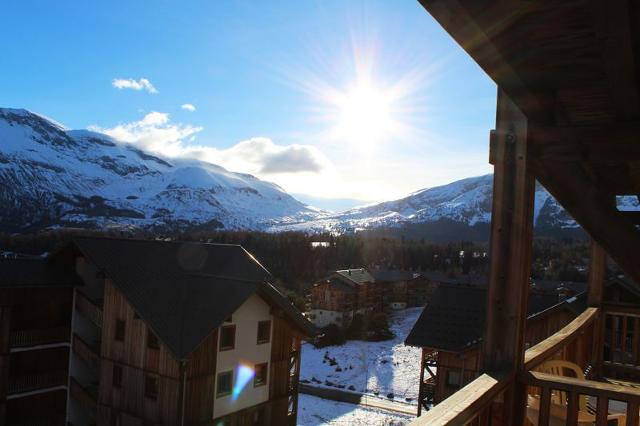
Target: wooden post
x,y
597,275
423,358
510,251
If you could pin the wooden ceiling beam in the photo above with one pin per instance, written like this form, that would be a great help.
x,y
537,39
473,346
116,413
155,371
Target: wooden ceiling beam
x,y
594,211
475,38
613,31
591,144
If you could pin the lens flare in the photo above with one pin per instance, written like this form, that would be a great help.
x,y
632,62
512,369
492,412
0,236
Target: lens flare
x,y
244,374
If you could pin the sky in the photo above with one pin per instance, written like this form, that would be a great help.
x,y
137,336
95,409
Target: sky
x,y
340,102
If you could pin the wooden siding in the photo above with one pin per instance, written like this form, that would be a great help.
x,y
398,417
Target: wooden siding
x,y
283,381
136,361
201,381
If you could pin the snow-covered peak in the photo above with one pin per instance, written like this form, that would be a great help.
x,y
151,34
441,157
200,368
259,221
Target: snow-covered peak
x,y
51,176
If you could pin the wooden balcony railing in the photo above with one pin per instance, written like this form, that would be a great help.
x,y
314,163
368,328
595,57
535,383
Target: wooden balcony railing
x,y
36,381
554,399
40,336
89,309
85,396
88,353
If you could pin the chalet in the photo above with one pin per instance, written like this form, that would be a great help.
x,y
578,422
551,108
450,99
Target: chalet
x,y
168,333
345,293
449,331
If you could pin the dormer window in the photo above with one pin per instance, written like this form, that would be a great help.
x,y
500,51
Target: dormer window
x,y
152,340
264,332
227,337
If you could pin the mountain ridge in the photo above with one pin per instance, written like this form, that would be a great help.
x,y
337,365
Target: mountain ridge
x,y
53,177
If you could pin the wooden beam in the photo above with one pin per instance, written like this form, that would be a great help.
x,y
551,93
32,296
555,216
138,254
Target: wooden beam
x,y
632,216
592,144
473,32
613,31
573,188
597,274
510,251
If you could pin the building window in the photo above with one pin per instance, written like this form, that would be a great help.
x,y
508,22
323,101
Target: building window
x,y
116,376
151,387
224,384
120,329
260,377
264,331
152,340
227,337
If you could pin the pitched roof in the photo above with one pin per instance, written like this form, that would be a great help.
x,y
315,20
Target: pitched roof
x,y
185,290
356,276
454,319
393,275
34,272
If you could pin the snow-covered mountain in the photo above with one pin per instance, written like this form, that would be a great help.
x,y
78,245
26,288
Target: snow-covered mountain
x,y
454,208
50,176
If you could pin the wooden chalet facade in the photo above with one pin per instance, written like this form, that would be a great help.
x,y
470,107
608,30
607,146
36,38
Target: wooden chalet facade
x,y
449,331
172,333
568,116
345,293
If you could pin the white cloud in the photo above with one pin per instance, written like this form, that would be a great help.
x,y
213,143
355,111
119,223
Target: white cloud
x,y
188,107
129,83
153,133
260,155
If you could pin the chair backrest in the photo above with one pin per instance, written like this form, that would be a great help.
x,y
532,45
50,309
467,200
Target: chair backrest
x,y
559,367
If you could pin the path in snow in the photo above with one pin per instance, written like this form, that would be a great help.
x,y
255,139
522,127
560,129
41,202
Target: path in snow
x,y
370,367
313,411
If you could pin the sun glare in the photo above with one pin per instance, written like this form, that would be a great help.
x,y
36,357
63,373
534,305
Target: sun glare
x,y
365,114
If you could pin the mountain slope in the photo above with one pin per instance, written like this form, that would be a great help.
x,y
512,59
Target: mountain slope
x,y
461,209
50,176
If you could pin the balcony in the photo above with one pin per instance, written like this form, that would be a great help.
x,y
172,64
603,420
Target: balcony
x,y
89,309
555,399
29,383
22,339
90,354
86,396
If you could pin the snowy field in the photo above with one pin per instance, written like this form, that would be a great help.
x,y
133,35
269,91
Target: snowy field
x,y
314,411
381,368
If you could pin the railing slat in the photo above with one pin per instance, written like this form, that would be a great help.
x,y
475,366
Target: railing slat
x,y
572,408
636,340
632,413
545,406
602,411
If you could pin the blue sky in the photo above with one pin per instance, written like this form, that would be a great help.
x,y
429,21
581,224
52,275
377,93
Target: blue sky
x,y
333,100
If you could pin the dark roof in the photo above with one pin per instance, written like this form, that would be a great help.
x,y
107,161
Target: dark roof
x,y
355,276
552,285
467,279
184,290
454,318
34,272
393,275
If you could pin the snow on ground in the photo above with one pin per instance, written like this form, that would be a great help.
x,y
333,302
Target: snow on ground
x,y
370,367
314,411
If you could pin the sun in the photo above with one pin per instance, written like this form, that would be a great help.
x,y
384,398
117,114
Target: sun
x,y
365,114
